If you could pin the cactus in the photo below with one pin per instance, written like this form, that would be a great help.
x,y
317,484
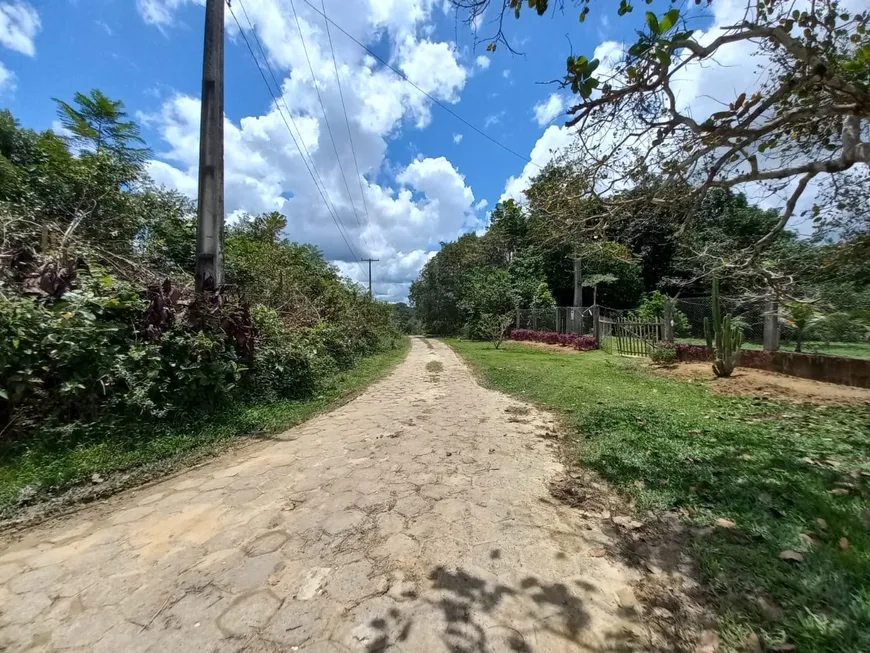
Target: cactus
x,y
723,339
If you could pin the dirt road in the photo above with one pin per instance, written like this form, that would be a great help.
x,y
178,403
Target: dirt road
x,y
415,518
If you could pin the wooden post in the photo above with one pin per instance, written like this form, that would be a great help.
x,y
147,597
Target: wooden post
x,y
596,323
517,309
771,325
668,325
210,196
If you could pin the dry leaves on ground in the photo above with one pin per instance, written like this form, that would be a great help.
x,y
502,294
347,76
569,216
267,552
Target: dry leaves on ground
x,y
791,556
725,523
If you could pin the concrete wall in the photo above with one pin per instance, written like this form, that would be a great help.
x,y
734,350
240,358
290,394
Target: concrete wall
x,y
819,367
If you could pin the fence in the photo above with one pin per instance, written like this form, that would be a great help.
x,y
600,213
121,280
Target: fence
x,y
749,315
762,322
561,319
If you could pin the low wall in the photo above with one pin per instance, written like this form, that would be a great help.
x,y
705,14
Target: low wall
x,y
818,367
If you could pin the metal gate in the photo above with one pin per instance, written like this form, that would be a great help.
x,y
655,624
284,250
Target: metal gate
x,y
629,337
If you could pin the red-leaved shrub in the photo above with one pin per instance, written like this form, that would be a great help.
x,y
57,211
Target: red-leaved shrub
x,y
580,343
692,353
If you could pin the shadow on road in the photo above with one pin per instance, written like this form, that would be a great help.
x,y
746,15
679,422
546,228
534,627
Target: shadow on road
x,y
469,606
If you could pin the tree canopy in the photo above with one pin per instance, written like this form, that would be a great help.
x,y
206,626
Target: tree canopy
x,y
799,121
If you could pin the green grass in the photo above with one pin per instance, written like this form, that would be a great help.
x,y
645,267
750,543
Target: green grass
x,y
724,457
50,466
845,349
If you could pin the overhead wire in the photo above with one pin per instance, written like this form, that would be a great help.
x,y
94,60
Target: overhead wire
x,y
433,99
326,119
312,170
346,119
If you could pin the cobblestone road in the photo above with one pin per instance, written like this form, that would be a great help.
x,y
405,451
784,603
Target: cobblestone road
x,y
415,518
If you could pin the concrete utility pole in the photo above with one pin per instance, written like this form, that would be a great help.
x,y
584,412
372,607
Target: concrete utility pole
x,y
578,291
210,198
370,261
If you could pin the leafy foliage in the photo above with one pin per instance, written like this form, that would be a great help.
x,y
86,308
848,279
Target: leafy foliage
x,y
664,353
93,334
652,309
580,343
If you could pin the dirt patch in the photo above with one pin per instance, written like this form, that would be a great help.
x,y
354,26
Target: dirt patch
x,y
769,385
560,349
517,410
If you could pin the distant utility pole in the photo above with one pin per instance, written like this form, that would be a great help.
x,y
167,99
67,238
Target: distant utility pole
x,y
370,261
578,290
210,198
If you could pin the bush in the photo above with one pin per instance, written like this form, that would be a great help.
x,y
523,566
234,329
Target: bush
x,y
287,365
652,309
581,343
664,353
687,353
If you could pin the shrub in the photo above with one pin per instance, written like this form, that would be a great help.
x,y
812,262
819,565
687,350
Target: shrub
x,y
687,353
287,365
495,327
581,343
664,353
652,309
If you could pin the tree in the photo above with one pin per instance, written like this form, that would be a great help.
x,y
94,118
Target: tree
x,y
543,299
803,319
437,293
798,123
595,280
98,123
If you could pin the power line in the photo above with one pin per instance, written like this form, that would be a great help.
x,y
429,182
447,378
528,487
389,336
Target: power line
x,y
323,192
325,119
435,101
346,119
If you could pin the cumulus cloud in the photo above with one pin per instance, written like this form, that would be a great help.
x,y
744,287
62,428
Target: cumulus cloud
x,y
19,23
482,62
545,112
400,219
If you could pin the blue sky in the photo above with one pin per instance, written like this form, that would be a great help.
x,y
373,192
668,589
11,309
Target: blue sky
x,y
426,176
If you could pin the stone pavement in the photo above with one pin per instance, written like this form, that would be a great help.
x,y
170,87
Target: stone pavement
x,y
414,518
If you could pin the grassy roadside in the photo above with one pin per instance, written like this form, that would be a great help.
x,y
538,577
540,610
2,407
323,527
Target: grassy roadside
x,y
42,469
789,477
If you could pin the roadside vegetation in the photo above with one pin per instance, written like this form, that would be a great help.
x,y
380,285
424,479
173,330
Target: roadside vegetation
x,y
108,359
778,491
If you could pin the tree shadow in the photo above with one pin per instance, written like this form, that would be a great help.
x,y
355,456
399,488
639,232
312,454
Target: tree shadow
x,y
469,608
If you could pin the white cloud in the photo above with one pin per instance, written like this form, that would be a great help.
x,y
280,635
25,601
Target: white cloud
x,y
545,112
19,23
549,144
482,62
481,205
457,138
493,119
161,12
428,199
506,73
7,79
